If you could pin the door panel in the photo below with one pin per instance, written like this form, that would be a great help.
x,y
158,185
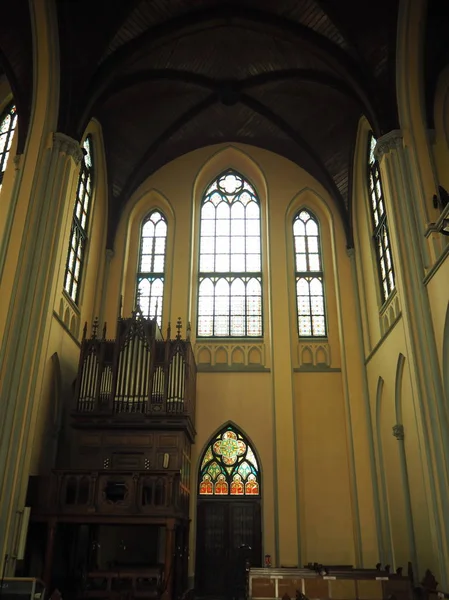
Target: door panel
x,y
222,529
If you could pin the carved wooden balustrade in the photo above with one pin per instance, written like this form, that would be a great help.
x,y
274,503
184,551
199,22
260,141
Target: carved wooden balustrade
x,y
137,373
118,493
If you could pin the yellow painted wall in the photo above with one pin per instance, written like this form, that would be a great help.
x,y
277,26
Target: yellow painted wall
x,y
294,419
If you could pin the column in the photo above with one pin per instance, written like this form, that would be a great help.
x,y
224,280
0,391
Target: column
x,y
407,238
25,340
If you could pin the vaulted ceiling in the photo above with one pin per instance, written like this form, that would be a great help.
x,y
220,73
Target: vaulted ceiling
x,y
164,77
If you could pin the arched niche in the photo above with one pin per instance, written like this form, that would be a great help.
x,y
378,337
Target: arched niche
x,y
228,523
228,158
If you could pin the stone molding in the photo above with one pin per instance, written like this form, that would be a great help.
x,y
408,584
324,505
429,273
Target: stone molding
x,y
393,140
67,145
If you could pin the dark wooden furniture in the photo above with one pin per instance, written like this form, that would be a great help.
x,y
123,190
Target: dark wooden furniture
x,y
351,584
125,461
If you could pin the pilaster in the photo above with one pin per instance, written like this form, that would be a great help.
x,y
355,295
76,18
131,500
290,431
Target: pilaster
x,y
24,346
409,256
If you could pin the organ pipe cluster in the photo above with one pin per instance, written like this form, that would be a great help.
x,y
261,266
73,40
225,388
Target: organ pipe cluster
x,y
137,372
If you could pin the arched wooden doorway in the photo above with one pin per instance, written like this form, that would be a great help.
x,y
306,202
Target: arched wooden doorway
x,y
228,513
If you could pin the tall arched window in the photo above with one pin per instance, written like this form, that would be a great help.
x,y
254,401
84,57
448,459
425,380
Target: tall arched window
x,y
381,236
7,128
309,276
80,224
229,467
150,276
230,277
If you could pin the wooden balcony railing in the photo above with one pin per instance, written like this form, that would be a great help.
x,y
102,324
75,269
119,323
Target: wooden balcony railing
x,y
119,493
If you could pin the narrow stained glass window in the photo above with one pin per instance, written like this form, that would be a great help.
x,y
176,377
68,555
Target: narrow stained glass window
x,y
229,467
80,223
381,235
309,276
230,277
7,127
150,276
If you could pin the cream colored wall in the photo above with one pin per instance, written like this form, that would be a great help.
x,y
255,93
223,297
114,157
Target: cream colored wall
x,y
402,466
296,419
64,336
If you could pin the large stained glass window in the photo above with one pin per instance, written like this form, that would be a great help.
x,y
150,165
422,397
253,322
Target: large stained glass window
x,y
7,127
230,278
229,467
309,276
381,235
150,276
80,223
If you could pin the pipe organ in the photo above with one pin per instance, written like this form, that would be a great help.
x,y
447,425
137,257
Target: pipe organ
x,y
138,372
124,462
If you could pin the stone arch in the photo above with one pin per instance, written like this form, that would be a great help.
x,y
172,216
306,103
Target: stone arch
x,y
235,158
225,426
398,387
126,255
238,356
221,356
386,546
255,356
204,356
445,363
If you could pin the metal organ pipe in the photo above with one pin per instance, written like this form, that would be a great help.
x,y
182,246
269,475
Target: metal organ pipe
x,y
89,376
176,383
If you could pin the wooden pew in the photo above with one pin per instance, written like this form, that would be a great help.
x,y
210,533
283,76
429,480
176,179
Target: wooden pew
x,y
327,584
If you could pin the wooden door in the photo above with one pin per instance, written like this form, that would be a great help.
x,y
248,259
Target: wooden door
x,y
226,531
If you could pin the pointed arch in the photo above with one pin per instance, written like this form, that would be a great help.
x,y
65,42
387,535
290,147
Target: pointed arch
x,y
229,465
398,387
151,268
445,368
379,223
76,256
310,303
230,259
8,124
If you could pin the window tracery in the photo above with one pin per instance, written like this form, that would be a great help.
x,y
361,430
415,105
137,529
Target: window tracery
x,y
151,270
7,128
230,277
310,304
229,467
380,232
80,223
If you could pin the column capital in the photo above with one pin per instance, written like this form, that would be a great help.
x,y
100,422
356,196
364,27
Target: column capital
x,y
66,144
398,432
393,140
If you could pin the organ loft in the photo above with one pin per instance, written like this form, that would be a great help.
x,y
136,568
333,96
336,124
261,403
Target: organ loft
x,y
247,202
117,505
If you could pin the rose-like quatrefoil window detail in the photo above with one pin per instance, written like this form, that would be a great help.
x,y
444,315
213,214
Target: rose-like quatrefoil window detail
x,y
229,466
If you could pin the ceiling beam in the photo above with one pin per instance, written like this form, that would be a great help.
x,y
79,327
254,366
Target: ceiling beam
x,y
359,79
321,173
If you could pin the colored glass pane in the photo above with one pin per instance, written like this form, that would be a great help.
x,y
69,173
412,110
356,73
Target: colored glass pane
x,y
214,470
80,225
309,276
227,465
379,224
229,287
208,456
